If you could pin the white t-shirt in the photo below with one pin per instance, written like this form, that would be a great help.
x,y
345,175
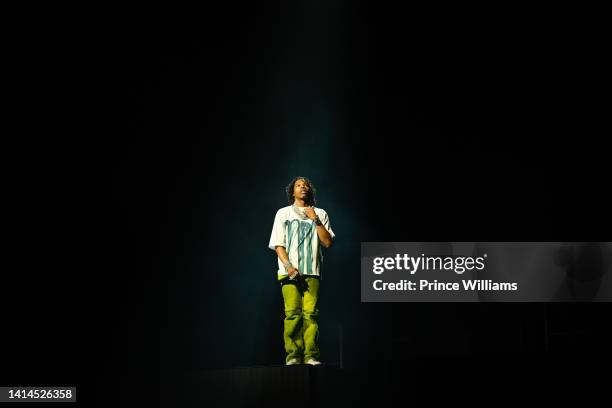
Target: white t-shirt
x,y
300,239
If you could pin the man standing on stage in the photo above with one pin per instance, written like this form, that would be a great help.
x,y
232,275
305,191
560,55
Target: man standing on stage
x,y
298,233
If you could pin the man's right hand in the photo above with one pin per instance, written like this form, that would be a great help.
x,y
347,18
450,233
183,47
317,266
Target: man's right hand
x,y
292,272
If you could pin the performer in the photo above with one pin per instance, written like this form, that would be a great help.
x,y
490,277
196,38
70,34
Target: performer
x,y
299,231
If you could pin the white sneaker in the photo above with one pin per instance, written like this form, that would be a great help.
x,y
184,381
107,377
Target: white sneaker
x,y
293,361
312,361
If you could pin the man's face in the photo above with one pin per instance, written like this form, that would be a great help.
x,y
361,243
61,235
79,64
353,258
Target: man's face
x,y
301,189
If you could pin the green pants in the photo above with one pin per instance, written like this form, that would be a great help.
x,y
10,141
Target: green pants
x,y
301,331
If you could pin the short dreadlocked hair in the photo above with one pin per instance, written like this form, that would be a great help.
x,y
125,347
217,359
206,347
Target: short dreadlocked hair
x,y
312,195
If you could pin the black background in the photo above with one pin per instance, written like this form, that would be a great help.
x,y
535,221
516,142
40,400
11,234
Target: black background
x,y
412,129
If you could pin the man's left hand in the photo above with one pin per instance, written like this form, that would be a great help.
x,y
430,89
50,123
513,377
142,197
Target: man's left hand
x,y
310,213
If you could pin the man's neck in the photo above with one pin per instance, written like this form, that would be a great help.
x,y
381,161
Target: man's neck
x,y
298,202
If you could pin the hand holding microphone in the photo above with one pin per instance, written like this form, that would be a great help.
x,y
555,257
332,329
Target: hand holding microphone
x,y
291,270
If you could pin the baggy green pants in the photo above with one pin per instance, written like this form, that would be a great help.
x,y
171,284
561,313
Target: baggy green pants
x,y
301,330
